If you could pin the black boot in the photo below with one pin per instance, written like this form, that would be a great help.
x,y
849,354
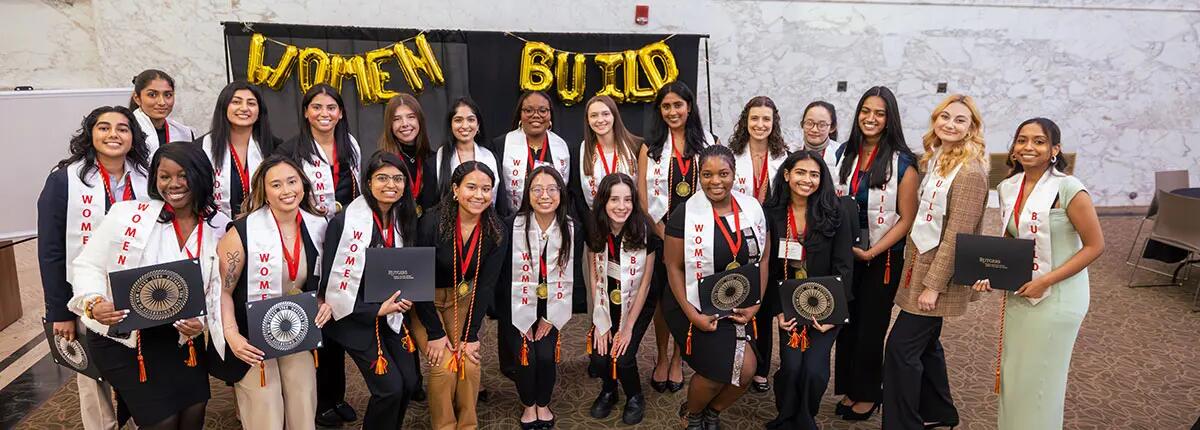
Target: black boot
x,y
635,409
711,419
604,404
691,422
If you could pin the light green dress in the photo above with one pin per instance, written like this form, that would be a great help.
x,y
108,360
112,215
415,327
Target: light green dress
x,y
1038,339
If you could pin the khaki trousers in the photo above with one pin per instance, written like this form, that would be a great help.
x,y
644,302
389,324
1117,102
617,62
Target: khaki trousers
x,y
288,401
451,400
96,407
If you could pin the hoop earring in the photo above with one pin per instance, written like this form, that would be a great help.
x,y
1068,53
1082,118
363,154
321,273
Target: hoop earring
x,y
1054,160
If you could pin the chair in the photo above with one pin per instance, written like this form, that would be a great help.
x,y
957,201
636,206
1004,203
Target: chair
x,y
1174,226
998,171
1163,181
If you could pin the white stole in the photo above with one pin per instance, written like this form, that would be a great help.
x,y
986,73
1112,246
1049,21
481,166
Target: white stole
x,y
222,191
175,131
1034,219
744,165
516,154
881,205
927,229
85,206
830,156
658,178
590,184
698,237
345,277
128,229
525,270
631,266
320,173
482,155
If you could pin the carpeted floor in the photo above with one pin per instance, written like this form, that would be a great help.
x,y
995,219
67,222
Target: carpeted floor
x,y
1136,366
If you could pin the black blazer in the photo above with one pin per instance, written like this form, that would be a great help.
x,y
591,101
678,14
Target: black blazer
x,y
233,369
492,253
825,255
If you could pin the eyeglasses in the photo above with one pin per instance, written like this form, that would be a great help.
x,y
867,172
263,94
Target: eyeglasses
x,y
540,111
396,179
538,191
808,123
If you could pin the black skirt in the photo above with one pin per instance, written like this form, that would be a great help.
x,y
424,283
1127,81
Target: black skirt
x,y
170,386
714,354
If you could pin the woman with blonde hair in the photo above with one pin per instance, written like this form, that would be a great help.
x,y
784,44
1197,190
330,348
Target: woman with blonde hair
x,y
916,390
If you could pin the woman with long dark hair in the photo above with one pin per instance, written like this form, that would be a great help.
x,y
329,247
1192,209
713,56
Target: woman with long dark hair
x,y
621,254
470,253
271,251
153,101
717,230
376,337
877,170
240,139
156,371
107,164
666,172
815,231
464,142
405,135
531,143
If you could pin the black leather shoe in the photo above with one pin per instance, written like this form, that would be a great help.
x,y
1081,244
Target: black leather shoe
x,y
951,424
603,405
710,419
691,422
635,409
659,386
842,409
674,386
345,412
535,425
329,418
760,387
855,416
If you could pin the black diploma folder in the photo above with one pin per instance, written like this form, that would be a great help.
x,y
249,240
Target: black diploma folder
x,y
1006,262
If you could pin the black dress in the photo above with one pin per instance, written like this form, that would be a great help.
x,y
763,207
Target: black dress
x,y
658,284
713,353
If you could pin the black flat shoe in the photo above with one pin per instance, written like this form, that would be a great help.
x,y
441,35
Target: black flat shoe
x,y
674,386
603,405
760,387
329,418
635,410
951,424
534,425
345,411
842,408
659,386
855,416
710,419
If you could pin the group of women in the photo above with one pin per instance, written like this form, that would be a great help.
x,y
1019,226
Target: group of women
x,y
534,231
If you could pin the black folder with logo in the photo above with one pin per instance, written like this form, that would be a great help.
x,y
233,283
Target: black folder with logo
x,y
737,288
1004,261
821,298
284,325
158,294
72,354
408,269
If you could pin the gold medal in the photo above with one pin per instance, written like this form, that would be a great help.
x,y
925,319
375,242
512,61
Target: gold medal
x,y
337,206
464,287
801,274
614,296
543,290
732,265
420,210
683,189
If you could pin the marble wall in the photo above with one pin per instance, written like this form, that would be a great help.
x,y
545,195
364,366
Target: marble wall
x,y
1117,75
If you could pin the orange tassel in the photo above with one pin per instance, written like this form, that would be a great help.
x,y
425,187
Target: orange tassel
x,y
380,362
191,360
524,352
452,364
141,360
754,325
408,341
590,340
1000,348
688,350
804,339
316,360
908,277
462,367
887,268
558,349
262,374
614,359
794,339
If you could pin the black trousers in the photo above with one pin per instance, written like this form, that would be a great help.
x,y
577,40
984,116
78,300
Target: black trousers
x,y
390,391
601,364
916,389
765,322
535,381
858,366
331,375
801,380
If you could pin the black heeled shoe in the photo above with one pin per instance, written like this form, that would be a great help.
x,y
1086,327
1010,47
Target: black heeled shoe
x,y
710,419
952,425
842,408
659,386
673,386
760,387
855,416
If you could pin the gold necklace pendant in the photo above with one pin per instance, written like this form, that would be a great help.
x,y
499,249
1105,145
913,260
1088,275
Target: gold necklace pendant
x,y
614,296
732,265
543,290
683,189
464,287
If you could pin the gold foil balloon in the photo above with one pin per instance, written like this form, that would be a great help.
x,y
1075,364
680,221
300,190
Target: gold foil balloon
x,y
272,77
353,66
634,92
661,52
376,75
422,60
608,63
535,66
570,88
313,68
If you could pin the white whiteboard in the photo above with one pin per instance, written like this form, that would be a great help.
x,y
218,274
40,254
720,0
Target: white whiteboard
x,y
37,128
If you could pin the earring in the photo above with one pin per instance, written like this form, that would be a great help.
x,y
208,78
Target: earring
x,y
1054,159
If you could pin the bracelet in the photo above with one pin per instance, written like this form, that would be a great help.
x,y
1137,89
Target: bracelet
x,y
87,309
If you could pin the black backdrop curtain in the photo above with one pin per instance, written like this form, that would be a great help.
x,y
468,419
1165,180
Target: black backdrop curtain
x,y
483,65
